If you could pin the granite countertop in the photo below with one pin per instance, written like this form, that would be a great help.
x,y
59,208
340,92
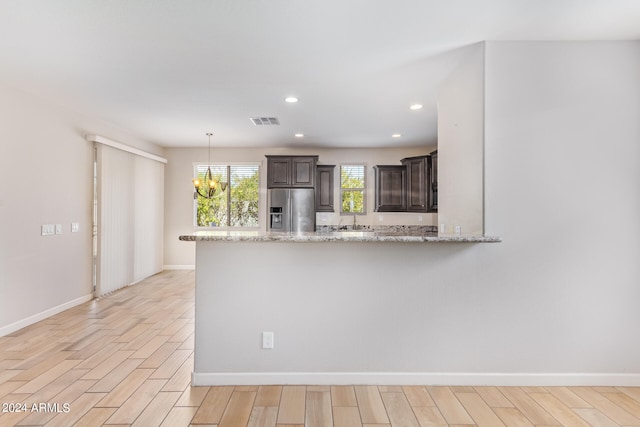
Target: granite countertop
x,y
408,236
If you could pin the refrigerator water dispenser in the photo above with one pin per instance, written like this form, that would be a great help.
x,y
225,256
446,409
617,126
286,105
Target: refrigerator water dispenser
x,y
276,218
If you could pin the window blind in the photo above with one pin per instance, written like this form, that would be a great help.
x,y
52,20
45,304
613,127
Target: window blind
x,y
130,216
352,176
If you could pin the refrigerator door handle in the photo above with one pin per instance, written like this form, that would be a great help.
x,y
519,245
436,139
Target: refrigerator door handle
x,y
290,211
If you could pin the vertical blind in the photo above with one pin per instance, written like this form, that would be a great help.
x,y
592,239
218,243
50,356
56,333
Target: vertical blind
x,y
130,201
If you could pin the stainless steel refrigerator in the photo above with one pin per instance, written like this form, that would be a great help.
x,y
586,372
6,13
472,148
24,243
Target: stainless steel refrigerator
x,y
291,209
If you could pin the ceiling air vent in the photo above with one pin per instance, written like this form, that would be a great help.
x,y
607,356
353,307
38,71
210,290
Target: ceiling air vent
x,y
265,121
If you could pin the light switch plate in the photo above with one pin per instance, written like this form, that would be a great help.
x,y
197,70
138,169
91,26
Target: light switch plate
x,y
58,228
75,227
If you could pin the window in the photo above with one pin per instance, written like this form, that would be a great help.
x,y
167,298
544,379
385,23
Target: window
x,y
237,206
352,185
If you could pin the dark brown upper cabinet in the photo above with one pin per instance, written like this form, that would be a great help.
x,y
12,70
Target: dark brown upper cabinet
x,y
422,183
417,182
433,183
412,187
390,188
324,188
291,171
278,171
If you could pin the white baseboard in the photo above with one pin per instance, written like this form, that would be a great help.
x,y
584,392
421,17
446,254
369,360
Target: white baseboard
x,y
412,378
16,326
179,267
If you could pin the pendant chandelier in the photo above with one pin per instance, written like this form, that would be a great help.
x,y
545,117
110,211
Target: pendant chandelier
x,y
211,185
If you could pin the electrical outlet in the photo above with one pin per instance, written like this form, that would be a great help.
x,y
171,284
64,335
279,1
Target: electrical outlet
x,y
458,229
380,218
267,340
419,218
442,228
58,228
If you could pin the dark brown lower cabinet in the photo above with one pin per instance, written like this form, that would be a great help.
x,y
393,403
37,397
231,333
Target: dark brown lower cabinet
x,y
391,188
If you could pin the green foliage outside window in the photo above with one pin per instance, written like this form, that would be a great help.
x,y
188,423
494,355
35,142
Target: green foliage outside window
x,y
352,188
243,211
237,206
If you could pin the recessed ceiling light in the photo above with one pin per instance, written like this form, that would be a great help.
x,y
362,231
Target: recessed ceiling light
x,y
299,135
416,107
396,135
291,99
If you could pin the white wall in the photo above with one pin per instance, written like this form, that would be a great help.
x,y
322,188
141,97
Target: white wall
x,y
179,190
461,146
555,303
46,173
562,169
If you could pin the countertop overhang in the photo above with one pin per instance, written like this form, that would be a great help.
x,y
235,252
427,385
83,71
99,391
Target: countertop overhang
x,y
335,236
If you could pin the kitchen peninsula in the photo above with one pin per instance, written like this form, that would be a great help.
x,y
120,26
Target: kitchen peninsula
x,y
336,236
334,301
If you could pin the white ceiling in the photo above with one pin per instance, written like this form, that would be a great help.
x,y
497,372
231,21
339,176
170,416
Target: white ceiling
x,y
168,71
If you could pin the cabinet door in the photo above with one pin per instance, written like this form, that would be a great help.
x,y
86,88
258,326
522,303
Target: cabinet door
x,y
433,182
417,184
324,188
279,172
391,192
303,172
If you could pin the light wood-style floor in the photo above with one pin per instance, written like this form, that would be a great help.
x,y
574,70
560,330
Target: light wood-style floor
x,y
126,359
